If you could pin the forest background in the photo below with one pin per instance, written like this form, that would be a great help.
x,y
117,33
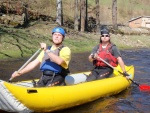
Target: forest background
x,y
21,39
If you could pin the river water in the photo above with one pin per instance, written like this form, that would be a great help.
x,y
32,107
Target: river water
x,y
131,100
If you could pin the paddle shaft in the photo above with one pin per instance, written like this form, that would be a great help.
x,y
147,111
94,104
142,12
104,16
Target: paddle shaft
x,y
27,62
118,71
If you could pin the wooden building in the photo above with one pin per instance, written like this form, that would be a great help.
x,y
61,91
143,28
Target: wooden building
x,y
141,21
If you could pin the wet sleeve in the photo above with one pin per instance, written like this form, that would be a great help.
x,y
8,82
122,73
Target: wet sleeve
x,y
95,49
116,52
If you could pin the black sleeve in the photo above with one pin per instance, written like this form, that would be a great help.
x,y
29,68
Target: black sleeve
x,y
116,52
95,49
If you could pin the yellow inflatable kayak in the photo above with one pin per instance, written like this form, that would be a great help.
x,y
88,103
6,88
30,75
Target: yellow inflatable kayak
x,y
23,97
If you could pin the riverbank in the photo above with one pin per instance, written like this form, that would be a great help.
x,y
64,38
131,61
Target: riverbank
x,y
23,42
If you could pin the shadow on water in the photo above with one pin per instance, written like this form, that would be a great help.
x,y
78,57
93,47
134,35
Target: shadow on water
x,y
131,100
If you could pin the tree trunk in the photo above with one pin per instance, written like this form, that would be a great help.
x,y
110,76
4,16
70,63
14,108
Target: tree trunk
x,y
82,13
59,18
26,15
114,14
86,15
97,17
7,4
76,22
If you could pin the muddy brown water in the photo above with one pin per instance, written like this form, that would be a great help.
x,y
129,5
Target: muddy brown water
x,y
131,100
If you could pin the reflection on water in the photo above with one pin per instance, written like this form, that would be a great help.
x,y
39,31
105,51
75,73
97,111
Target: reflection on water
x,y
131,100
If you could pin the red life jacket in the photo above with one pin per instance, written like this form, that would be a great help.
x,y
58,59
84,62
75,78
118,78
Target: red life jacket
x,y
106,54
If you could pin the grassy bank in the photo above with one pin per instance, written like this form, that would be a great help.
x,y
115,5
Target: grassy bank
x,y
16,43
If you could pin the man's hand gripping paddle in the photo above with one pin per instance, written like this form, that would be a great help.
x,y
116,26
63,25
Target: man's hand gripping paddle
x,y
36,53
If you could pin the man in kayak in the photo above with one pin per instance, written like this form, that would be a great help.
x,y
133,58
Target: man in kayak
x,y
109,53
53,61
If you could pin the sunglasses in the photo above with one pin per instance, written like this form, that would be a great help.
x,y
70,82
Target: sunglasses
x,y
104,35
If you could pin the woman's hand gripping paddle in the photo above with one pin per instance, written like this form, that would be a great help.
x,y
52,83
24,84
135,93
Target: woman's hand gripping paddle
x,y
27,62
142,87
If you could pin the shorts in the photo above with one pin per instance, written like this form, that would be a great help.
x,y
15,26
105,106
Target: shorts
x,y
50,80
100,73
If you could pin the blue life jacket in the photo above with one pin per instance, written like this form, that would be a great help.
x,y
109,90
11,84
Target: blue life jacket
x,y
48,64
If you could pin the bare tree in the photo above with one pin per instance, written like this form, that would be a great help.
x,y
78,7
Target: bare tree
x,y
82,15
59,18
114,14
97,16
76,22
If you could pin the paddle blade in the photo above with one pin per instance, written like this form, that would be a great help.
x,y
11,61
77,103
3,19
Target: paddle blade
x,y
144,87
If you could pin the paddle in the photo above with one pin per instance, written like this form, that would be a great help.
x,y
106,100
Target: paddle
x,y
27,62
142,87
